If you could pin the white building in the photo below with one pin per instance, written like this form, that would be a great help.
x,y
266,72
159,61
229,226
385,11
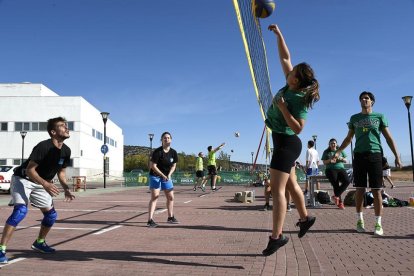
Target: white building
x,y
27,107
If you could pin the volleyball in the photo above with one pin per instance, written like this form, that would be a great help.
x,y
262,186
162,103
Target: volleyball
x,y
263,8
237,134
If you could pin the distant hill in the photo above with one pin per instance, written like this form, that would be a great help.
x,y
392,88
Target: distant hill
x,y
132,150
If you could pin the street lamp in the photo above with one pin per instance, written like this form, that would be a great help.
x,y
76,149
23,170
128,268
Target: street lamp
x,y
229,160
314,139
352,148
407,102
104,118
252,158
150,136
23,134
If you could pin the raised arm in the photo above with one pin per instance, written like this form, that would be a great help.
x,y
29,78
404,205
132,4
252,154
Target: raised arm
x,y
219,147
284,54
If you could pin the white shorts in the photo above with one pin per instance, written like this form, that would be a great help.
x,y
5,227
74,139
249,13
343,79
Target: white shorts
x,y
24,191
386,172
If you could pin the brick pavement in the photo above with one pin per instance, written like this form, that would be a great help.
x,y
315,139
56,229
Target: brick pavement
x,y
216,236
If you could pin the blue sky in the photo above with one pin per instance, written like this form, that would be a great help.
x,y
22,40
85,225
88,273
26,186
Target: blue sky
x,y
180,66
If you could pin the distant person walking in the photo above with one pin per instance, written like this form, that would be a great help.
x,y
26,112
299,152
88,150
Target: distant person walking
x,y
286,118
211,165
32,183
335,172
163,162
367,127
386,173
200,180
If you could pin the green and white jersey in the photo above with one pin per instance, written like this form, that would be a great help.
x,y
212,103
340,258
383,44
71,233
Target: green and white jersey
x,y
367,128
211,158
296,106
199,164
328,154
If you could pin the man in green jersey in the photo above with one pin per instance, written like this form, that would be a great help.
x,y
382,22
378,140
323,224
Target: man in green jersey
x,y
211,165
367,127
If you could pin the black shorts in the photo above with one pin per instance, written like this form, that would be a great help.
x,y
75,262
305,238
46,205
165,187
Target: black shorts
x,y
367,164
199,173
212,170
286,151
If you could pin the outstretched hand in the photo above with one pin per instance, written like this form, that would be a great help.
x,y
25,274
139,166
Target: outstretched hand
x,y
274,28
51,188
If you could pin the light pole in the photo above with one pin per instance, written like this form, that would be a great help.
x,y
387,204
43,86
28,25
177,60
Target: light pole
x,y
407,102
150,136
229,160
104,118
252,158
23,134
314,139
352,148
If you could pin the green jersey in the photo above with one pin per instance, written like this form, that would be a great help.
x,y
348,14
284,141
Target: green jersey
x,y
296,106
328,154
211,158
367,128
199,164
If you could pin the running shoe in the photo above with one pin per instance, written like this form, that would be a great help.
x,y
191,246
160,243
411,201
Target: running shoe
x,y
151,224
378,230
42,247
203,188
3,258
273,245
360,226
172,220
341,205
194,189
288,208
304,226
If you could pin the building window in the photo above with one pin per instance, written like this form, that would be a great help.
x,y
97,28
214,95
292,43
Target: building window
x,y
18,126
35,126
3,161
42,126
93,132
70,126
3,126
26,126
17,161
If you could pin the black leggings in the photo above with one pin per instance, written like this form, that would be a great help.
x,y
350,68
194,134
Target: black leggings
x,y
335,176
286,151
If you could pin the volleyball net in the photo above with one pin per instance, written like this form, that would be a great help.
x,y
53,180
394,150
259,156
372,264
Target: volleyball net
x,y
254,46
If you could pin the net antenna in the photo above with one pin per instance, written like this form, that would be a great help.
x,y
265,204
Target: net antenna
x,y
254,46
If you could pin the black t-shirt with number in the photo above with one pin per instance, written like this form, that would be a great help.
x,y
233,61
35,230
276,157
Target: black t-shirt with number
x,y
49,158
164,160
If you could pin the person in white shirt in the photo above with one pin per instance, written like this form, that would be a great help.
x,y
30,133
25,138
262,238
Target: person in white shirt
x,y
312,164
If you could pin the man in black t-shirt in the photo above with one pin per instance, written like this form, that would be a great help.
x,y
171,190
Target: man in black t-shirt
x,y
32,183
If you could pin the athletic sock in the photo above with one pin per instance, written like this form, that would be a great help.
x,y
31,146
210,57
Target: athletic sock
x,y
378,219
3,248
360,216
40,240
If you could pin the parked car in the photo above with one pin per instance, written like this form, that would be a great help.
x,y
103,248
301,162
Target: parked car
x,y
6,173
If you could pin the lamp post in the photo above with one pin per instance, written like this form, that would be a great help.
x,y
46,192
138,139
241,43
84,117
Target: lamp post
x,y
105,119
407,102
23,134
314,139
252,158
229,159
150,136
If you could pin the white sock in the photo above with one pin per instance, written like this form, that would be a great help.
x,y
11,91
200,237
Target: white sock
x,y
378,219
360,216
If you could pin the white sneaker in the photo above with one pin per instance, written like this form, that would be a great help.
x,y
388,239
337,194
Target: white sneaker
x,y
360,226
378,230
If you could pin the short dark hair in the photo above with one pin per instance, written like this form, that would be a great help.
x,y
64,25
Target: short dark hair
x,y
209,148
369,94
51,124
165,133
311,143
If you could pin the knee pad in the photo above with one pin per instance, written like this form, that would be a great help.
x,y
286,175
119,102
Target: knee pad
x,y
49,218
19,213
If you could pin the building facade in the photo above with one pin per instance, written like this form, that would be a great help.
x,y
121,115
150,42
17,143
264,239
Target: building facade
x,y
26,107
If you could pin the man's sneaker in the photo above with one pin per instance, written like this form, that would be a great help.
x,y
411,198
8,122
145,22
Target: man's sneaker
x,y
3,258
151,224
305,225
194,189
360,226
203,189
378,230
266,207
305,193
341,205
273,245
172,220
288,208
42,247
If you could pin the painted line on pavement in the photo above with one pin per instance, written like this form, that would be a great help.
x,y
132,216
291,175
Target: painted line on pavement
x,y
160,211
188,201
103,211
12,261
107,229
57,228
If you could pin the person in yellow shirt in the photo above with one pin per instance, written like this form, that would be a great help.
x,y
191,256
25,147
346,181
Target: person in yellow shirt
x,y
211,165
200,179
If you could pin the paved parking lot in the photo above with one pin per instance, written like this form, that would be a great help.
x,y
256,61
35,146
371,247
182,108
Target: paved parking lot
x,y
103,232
